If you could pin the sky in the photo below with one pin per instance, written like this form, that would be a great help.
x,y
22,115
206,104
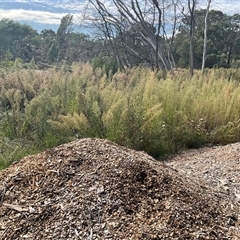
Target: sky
x,y
47,14
41,14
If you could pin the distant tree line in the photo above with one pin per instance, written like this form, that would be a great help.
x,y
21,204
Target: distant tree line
x,y
21,41
168,34
136,34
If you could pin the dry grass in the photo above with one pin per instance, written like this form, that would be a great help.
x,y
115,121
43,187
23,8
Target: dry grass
x,y
152,111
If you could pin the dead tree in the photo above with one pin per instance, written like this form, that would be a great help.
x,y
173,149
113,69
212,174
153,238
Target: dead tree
x,y
144,18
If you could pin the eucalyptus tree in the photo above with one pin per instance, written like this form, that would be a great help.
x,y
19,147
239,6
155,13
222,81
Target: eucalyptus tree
x,y
48,51
223,40
17,40
233,38
191,7
138,20
62,37
190,19
81,47
205,35
223,35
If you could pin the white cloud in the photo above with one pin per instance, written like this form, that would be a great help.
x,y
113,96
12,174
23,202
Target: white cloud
x,y
75,7
31,15
78,8
70,5
229,7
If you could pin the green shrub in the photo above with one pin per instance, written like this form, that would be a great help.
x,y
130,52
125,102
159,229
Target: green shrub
x,y
107,63
156,112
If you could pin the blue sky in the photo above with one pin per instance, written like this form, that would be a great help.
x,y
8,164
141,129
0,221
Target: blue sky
x,y
41,14
47,14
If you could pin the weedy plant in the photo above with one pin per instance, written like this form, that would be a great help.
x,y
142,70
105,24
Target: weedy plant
x,y
159,113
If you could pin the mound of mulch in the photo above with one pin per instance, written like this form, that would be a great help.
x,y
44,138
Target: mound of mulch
x,y
95,189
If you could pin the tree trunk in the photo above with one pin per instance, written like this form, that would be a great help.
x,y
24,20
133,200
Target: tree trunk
x,y
132,19
205,36
191,8
191,56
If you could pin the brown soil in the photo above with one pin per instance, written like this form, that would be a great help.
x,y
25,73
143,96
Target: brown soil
x,y
95,189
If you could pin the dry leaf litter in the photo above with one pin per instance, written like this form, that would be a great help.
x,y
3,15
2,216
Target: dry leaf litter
x,y
95,189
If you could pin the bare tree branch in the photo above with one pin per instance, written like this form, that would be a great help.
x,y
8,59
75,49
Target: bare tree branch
x,y
142,17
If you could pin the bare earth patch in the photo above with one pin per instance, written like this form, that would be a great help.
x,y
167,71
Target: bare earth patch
x,y
95,189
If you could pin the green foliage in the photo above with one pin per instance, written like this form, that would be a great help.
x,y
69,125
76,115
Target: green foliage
x,y
14,150
145,110
223,41
226,134
17,40
108,63
63,34
71,124
17,64
52,52
20,41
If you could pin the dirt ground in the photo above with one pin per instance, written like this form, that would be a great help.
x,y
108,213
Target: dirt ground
x,y
95,189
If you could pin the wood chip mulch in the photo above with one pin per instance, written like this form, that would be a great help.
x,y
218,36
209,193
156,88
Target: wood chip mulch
x,y
95,189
